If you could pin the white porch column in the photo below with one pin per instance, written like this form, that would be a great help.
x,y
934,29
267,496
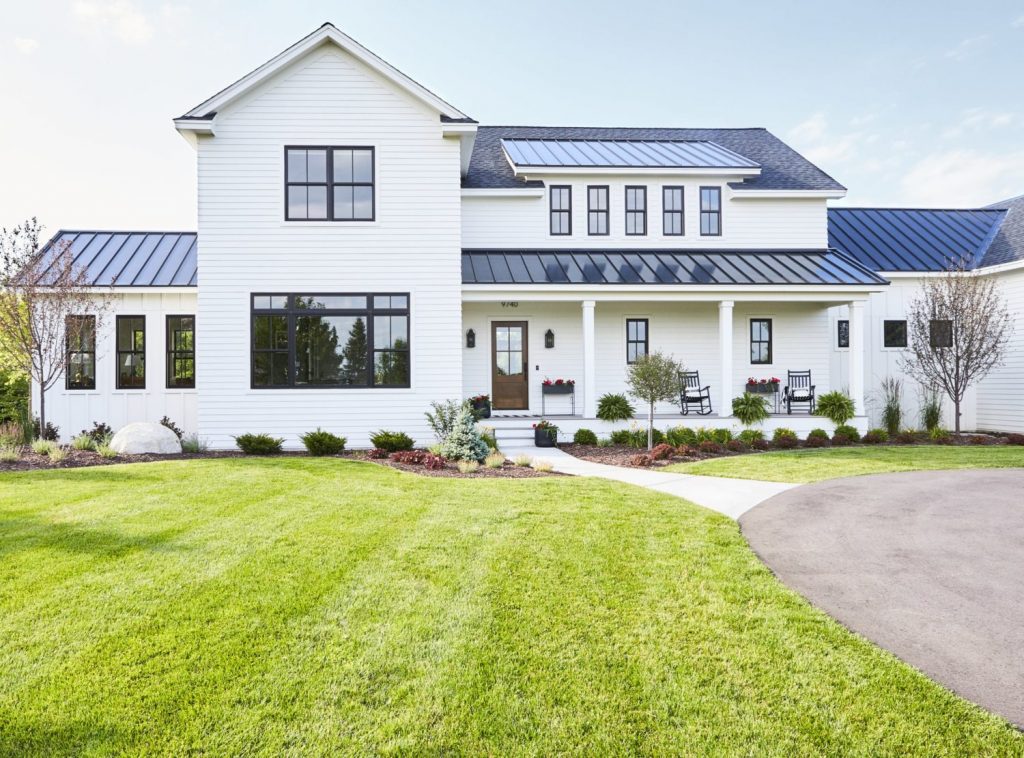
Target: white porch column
x,y
589,361
856,363
725,381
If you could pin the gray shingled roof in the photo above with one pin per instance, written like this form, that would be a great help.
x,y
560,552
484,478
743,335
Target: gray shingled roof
x,y
782,168
1008,244
130,259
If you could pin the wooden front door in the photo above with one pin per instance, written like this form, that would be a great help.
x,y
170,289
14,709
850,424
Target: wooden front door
x,y
509,359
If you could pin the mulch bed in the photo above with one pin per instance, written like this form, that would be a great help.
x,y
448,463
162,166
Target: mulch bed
x,y
623,455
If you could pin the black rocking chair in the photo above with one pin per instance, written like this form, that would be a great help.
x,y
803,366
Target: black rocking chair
x,y
691,393
799,389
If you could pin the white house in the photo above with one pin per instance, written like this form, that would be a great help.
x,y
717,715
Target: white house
x,y
365,248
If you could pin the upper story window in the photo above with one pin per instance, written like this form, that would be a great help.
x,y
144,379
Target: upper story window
x,y
636,210
761,341
131,352
561,210
597,210
329,184
80,338
711,211
181,352
672,211
340,340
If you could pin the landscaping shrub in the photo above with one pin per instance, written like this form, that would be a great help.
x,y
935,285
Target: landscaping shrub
x,y
193,444
662,452
106,451
604,442
841,440
710,447
584,437
979,439
394,441
750,436
1015,439
876,437
377,453
319,442
643,460
99,432
522,460
43,446
750,408
258,444
817,438
931,410
759,444
906,437
494,460
892,410
686,451
83,442
737,446
784,438
490,438
434,462
410,457
848,431
721,435
8,454
542,465
12,434
636,437
464,443
468,467
836,406
681,435
51,432
614,407
57,454
166,421
442,418
653,378
940,436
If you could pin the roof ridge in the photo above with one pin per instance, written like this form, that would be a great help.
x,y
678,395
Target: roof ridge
x,y
987,209
636,128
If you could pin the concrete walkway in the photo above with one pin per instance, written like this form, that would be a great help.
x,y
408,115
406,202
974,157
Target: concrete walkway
x,y
733,497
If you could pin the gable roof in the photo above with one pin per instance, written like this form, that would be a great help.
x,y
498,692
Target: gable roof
x,y
1008,244
327,33
914,239
129,259
782,168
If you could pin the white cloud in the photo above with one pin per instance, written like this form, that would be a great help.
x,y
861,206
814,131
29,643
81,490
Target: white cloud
x,y
967,47
814,140
26,45
963,178
809,130
119,17
979,119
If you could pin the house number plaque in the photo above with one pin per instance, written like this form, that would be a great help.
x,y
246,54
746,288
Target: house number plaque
x,y
510,304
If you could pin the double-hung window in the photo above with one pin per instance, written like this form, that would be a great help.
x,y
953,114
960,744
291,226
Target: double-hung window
x,y
636,339
672,211
561,210
181,352
711,211
329,184
597,211
940,332
80,337
336,340
131,352
760,341
636,211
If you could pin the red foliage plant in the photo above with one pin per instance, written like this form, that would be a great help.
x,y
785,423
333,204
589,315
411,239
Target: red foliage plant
x,y
710,447
662,452
377,453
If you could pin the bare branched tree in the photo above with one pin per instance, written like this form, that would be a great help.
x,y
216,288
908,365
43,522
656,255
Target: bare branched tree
x,y
958,327
38,296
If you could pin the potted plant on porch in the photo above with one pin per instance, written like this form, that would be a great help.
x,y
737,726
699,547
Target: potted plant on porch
x,y
545,434
558,386
480,405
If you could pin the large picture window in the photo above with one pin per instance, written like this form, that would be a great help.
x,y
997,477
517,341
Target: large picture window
x,y
636,210
131,352
711,211
337,340
80,334
597,211
760,341
329,184
561,210
672,211
181,352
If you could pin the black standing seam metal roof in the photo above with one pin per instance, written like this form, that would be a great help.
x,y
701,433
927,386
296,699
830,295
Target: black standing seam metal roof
x,y
914,239
129,259
652,267
782,168
642,154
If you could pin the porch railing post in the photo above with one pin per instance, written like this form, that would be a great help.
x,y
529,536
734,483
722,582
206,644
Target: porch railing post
x,y
856,363
589,361
725,380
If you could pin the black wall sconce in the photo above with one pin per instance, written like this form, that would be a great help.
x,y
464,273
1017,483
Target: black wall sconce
x,y
549,338
470,338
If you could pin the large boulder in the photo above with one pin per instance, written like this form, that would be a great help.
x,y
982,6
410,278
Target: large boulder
x,y
146,437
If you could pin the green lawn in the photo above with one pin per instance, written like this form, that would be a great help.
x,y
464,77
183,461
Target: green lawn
x,y
829,463
298,606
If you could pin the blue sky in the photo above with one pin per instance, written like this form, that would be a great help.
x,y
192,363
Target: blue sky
x,y
905,103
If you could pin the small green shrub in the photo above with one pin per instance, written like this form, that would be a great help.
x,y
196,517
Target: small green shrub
x,y
83,442
442,418
51,432
42,446
166,421
191,443
635,437
818,434
750,436
750,408
681,435
98,433
490,438
931,410
494,460
57,454
614,407
604,442
106,451
850,432
836,406
876,437
320,442
892,410
393,441
522,460
721,435
584,437
468,467
12,434
259,444
9,454
784,438
939,435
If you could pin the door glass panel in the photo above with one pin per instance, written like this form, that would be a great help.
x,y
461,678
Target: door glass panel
x,y
501,337
515,363
516,338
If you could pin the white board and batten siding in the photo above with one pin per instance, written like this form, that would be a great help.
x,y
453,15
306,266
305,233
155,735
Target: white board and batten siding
x,y
1000,396
77,410
327,98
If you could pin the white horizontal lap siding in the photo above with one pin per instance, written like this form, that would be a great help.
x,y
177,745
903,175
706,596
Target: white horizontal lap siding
x,y
1000,404
246,246
523,222
77,410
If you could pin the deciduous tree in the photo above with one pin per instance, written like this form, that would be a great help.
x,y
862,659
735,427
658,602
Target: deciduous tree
x,y
654,378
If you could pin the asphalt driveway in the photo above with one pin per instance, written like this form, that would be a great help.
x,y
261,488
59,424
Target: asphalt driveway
x,y
929,565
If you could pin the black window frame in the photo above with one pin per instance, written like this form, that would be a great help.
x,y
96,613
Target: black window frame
x,y
645,341
933,333
769,342
666,214
68,384
886,334
173,354
559,212
717,214
329,184
642,214
119,353
291,313
597,213
840,336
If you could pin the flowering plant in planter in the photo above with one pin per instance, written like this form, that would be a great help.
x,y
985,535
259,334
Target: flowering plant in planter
x,y
558,382
545,434
481,406
763,385
558,386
